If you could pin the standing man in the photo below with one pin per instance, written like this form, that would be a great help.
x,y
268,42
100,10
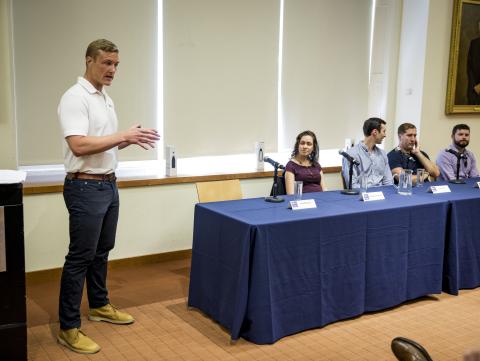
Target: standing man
x,y
89,123
447,162
408,154
373,161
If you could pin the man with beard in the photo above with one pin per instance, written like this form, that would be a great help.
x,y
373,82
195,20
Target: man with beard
x,y
408,154
447,162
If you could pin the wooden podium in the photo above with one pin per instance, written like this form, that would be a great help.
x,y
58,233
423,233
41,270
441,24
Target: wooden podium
x,y
13,315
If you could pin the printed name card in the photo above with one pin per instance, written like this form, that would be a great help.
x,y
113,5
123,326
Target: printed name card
x,y
372,196
303,204
439,189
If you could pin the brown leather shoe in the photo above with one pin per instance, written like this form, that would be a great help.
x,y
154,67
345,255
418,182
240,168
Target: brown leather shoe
x,y
109,313
405,349
77,341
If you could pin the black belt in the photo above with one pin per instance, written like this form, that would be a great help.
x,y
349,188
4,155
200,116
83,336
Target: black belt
x,y
88,176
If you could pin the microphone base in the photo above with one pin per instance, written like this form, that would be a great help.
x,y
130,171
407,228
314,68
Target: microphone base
x,y
350,192
274,199
457,181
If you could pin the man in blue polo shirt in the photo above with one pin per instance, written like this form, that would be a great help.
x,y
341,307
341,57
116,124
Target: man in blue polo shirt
x,y
408,154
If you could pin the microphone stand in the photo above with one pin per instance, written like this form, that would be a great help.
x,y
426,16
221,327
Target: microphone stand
x,y
350,191
274,198
457,180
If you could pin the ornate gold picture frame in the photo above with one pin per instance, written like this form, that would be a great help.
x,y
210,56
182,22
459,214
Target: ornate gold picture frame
x,y
463,88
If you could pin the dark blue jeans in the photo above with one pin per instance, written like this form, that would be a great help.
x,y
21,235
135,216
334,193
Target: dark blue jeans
x,y
93,208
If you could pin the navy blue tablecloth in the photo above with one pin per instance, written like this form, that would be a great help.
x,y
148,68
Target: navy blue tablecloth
x,y
462,248
264,271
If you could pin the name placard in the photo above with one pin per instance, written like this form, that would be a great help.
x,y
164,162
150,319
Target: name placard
x,y
439,189
303,204
372,196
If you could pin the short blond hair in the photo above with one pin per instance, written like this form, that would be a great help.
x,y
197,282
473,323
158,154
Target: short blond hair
x,y
95,46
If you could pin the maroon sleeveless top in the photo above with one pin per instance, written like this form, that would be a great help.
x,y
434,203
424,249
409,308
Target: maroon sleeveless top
x,y
310,176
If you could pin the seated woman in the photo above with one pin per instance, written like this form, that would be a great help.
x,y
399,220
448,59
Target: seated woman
x,y
304,166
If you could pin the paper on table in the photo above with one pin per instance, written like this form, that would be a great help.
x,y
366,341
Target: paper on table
x,y
12,176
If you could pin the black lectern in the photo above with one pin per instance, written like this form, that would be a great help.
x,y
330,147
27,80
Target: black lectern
x,y
13,315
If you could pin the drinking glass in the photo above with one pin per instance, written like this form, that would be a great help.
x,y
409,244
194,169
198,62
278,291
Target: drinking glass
x,y
405,182
363,182
297,190
420,177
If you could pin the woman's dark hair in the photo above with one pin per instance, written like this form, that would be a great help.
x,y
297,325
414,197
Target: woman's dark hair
x,y
314,155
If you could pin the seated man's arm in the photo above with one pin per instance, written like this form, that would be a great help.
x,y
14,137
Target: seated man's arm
x,y
387,173
395,162
446,166
474,170
429,166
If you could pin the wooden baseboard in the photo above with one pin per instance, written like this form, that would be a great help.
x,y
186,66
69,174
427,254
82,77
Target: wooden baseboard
x,y
54,274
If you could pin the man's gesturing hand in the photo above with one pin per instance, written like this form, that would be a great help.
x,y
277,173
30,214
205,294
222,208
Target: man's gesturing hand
x,y
141,136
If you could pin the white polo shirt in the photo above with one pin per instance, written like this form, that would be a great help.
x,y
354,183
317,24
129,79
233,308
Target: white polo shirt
x,y
83,110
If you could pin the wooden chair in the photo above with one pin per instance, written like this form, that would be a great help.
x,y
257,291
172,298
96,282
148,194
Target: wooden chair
x,y
215,191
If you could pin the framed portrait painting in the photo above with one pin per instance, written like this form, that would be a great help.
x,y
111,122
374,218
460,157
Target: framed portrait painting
x,y
463,88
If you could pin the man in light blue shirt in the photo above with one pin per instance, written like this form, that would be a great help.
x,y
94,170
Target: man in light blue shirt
x,y
373,161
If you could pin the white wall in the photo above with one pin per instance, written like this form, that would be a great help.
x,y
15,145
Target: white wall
x,y
384,65
411,63
50,39
325,69
220,75
152,220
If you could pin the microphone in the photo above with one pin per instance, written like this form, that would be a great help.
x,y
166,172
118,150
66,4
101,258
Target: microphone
x,y
454,152
272,162
458,155
348,157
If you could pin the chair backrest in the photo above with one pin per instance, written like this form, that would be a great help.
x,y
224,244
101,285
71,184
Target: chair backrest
x,y
215,191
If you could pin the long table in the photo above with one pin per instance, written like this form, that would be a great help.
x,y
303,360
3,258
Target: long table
x,y
264,271
462,248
